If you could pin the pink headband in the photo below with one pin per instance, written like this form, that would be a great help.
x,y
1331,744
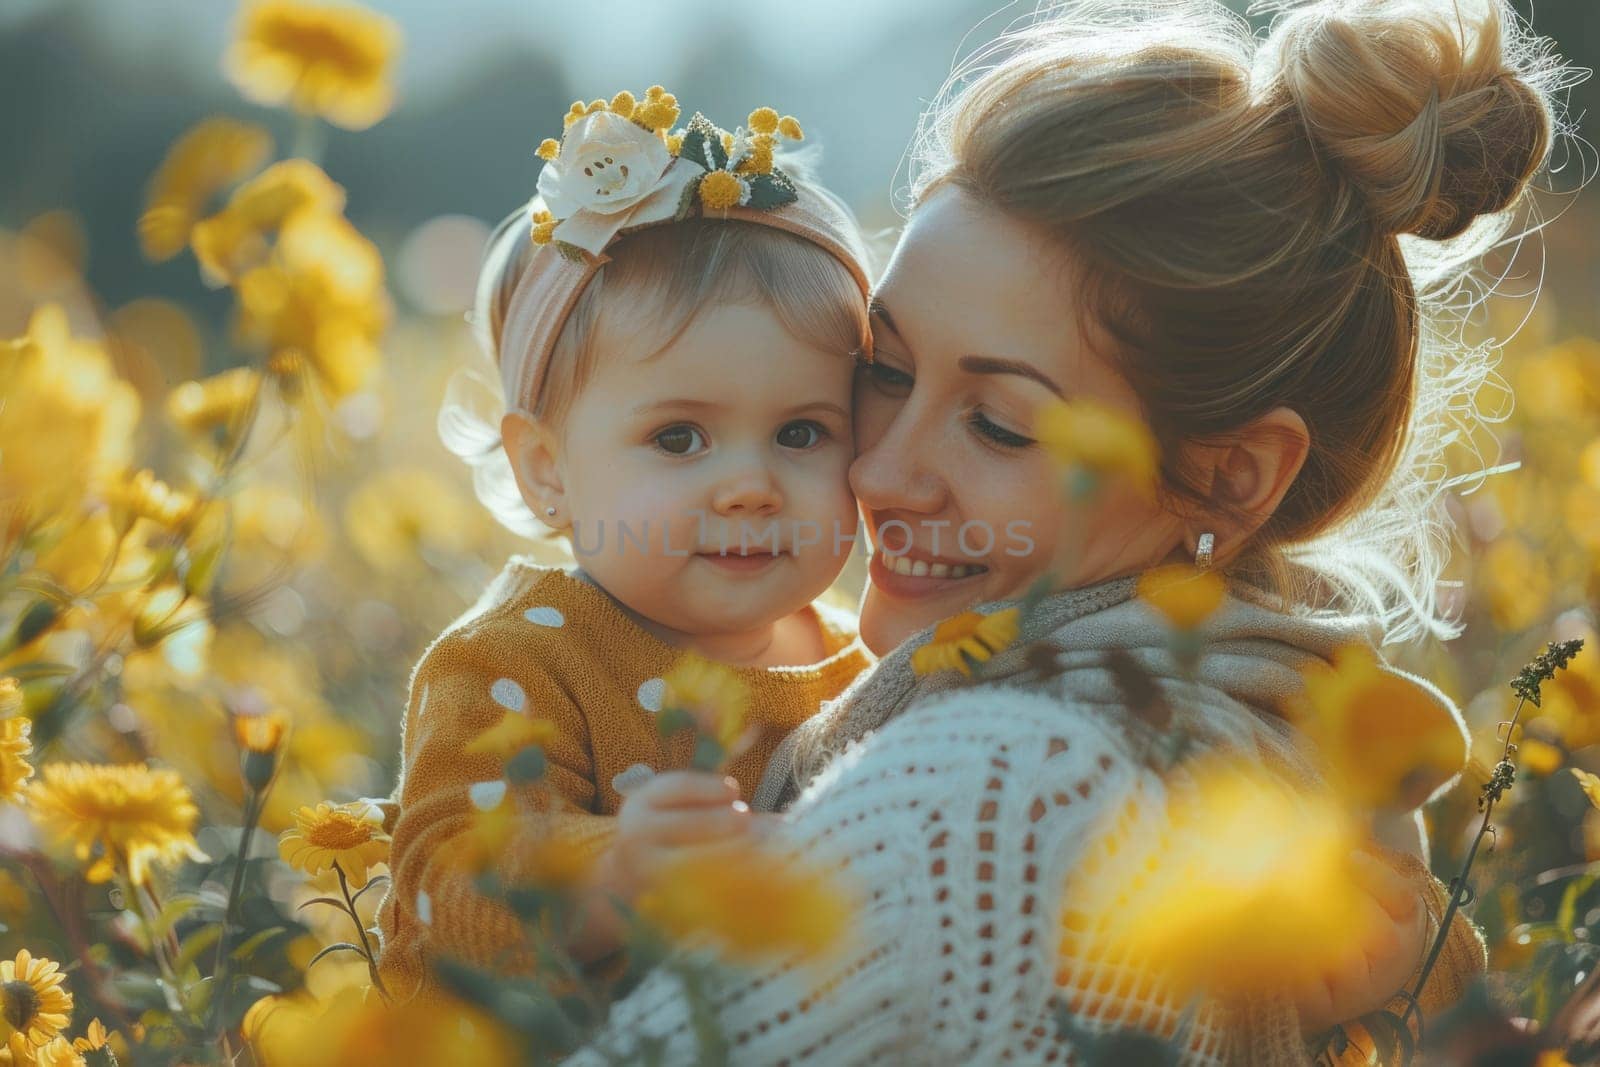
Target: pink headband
x,y
619,152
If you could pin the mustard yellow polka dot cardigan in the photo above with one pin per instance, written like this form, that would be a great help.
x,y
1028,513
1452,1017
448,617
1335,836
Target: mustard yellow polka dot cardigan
x,y
542,642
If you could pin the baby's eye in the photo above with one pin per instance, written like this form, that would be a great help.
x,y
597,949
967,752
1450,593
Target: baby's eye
x,y
678,440
803,434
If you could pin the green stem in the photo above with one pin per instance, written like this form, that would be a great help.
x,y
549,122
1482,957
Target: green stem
x,y
366,946
221,965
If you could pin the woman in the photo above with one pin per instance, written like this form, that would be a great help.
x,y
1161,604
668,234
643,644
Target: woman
x,y
1141,206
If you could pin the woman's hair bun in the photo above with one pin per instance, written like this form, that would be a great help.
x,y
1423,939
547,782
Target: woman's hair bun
x,y
1437,111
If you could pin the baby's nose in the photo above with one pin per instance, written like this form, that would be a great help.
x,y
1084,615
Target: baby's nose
x,y
753,492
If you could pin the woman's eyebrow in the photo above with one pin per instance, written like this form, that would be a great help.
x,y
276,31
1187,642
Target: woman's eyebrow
x,y
995,365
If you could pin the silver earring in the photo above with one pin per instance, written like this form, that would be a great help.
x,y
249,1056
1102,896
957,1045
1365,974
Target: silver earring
x,y
550,510
1203,550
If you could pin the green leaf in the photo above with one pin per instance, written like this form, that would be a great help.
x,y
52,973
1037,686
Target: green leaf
x,y
342,946
324,900
253,943
377,879
1566,914
688,200
196,943
766,193
707,144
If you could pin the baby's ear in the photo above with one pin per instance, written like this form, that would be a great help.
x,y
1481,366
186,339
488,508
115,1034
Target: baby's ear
x,y
533,449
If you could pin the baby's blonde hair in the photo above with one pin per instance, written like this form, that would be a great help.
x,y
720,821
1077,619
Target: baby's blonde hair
x,y
1287,221
658,279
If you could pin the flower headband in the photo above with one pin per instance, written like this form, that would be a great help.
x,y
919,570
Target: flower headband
x,y
618,169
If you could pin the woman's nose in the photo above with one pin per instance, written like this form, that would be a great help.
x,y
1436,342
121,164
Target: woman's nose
x,y
752,490
892,471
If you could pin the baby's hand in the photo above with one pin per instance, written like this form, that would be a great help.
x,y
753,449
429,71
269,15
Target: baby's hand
x,y
1378,967
669,813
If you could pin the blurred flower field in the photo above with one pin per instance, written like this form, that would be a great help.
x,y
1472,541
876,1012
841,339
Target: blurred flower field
x,y
213,588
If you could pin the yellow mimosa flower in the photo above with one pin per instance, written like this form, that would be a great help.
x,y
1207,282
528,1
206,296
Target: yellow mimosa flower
x,y
330,60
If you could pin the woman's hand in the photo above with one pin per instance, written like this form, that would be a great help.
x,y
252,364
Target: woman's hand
x,y
658,820
1377,967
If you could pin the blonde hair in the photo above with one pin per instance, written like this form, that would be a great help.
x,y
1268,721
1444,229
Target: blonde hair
x,y
657,281
1277,222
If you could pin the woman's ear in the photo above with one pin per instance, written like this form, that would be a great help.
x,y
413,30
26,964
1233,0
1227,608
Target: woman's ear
x,y
1247,477
534,452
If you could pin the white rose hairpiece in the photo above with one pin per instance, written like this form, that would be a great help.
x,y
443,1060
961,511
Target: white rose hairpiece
x,y
617,167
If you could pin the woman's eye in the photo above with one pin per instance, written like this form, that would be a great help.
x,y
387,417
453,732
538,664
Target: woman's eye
x,y
677,440
801,435
886,378
998,434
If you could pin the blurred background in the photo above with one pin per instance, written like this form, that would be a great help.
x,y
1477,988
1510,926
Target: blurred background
x,y
346,558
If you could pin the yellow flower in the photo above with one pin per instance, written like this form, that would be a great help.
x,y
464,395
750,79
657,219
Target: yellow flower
x,y
968,636
623,104
34,1006
66,420
144,496
320,59
1185,594
549,149
1383,739
574,113
215,402
1231,865
10,697
721,189
236,238
15,747
57,1053
752,905
759,161
1590,784
208,158
261,732
402,517
763,120
513,733
713,696
789,126
350,835
658,111
318,302
675,143
137,816
1539,758
95,1037
1089,436
356,1026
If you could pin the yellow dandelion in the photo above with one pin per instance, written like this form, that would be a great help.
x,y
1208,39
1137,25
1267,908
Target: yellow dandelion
x,y
15,747
658,111
623,104
711,694
751,905
1086,435
34,1004
1349,704
144,496
675,143
970,636
763,120
213,403
135,815
721,190
549,149
319,59
513,733
350,835
1185,594
208,158
789,126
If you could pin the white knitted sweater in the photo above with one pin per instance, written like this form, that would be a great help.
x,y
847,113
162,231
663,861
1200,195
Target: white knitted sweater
x,y
957,822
